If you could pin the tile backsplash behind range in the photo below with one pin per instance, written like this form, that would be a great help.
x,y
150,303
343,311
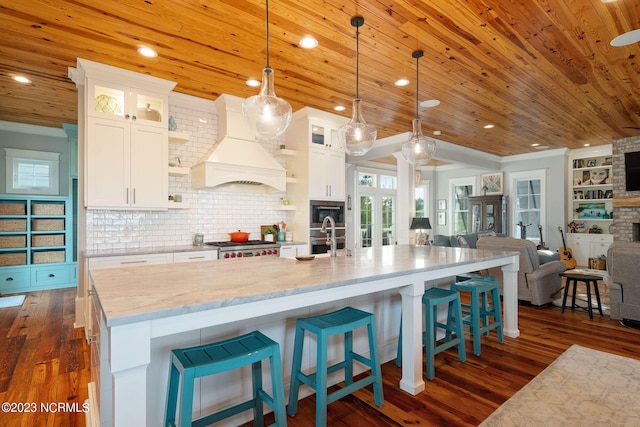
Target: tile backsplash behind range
x,y
212,212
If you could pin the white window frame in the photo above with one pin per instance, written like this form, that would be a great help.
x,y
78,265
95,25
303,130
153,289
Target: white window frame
x,y
514,177
458,182
15,157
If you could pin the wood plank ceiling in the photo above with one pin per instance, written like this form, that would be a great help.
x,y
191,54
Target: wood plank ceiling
x,y
542,71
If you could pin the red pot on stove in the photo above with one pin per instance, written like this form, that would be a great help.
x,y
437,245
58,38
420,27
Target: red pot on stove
x,y
239,236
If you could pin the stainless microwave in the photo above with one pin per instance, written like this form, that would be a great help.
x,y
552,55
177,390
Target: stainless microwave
x,y
321,209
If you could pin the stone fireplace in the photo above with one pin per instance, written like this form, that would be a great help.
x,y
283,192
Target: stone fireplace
x,y
626,204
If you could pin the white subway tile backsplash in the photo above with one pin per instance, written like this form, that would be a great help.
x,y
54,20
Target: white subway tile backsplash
x,y
213,212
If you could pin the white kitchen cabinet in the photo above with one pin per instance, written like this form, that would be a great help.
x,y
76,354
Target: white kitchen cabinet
x,y
124,146
194,256
584,246
327,174
126,165
294,250
318,166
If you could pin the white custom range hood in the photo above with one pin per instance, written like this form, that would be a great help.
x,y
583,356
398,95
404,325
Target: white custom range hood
x,y
237,160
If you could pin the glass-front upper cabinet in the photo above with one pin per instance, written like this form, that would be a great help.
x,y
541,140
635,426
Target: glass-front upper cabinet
x,y
324,135
126,103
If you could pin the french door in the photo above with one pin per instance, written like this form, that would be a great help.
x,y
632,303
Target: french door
x,y
377,220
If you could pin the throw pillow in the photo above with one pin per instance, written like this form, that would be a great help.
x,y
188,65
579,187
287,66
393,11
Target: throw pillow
x,y
486,233
463,242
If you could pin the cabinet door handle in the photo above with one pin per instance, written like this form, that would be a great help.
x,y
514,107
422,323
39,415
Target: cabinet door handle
x,y
127,195
52,275
9,279
134,262
134,196
133,117
126,116
196,257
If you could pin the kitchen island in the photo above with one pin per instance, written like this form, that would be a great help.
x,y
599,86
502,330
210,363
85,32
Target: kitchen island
x,y
143,312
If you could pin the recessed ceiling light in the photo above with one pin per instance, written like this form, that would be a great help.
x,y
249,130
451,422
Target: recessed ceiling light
x,y
339,108
586,145
542,147
489,126
253,83
627,38
308,42
401,82
437,132
147,52
21,79
608,1
429,103
535,145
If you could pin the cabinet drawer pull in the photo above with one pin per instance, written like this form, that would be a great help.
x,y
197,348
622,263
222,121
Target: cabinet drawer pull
x,y
90,292
126,116
134,262
196,257
9,279
52,275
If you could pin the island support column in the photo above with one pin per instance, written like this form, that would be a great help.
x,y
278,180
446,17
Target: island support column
x,y
129,354
510,297
412,381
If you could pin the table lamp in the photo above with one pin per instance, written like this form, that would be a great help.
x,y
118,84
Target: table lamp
x,y
421,224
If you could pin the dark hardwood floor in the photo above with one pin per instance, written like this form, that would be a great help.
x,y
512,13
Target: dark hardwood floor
x,y
43,359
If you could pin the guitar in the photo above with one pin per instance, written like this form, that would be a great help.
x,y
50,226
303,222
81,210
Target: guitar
x,y
541,245
565,253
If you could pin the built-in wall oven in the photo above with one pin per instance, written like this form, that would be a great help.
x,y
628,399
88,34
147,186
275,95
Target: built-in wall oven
x,y
319,210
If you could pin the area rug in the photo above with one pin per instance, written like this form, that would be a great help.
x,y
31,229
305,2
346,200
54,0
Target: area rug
x,y
11,301
582,387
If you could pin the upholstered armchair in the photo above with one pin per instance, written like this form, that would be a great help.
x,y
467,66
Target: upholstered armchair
x,y
622,278
538,284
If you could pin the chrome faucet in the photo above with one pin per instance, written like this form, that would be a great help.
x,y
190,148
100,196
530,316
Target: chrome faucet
x,y
331,238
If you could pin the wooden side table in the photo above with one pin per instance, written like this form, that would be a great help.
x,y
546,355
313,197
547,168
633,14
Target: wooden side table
x,y
588,280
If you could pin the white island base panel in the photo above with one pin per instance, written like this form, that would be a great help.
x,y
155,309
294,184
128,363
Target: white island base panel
x,y
142,320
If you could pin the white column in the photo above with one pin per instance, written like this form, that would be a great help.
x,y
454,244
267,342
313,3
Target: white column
x,y
130,354
412,381
405,197
510,298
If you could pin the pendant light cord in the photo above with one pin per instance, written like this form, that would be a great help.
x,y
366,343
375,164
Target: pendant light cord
x,y
267,24
417,80
357,60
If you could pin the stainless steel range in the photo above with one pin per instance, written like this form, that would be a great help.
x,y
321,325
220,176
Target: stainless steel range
x,y
251,248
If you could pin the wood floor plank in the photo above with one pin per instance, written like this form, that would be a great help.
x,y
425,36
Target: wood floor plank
x,y
43,357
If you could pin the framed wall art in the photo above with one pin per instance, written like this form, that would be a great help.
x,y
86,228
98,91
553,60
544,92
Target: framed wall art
x,y
492,183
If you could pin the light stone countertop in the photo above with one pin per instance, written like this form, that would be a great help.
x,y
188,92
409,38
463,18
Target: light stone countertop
x,y
133,294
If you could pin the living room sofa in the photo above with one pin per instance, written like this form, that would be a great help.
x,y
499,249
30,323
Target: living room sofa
x,y
623,280
538,283
471,241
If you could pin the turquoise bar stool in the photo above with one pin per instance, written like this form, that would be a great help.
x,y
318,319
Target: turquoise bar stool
x,y
209,359
431,299
479,312
343,321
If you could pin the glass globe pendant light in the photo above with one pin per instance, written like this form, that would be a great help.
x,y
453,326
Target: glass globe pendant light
x,y
419,149
357,136
267,114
